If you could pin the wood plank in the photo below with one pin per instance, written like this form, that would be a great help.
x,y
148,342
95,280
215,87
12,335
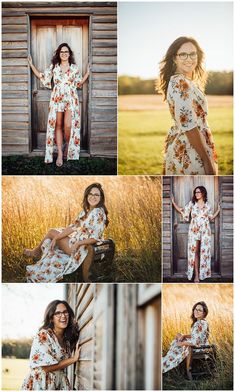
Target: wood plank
x,y
15,109
13,149
14,45
16,20
104,68
15,28
104,26
105,85
104,93
15,102
10,125
19,117
21,132
14,70
12,53
106,125
96,34
104,43
14,37
14,78
15,139
55,11
104,76
104,19
15,86
104,60
96,102
104,52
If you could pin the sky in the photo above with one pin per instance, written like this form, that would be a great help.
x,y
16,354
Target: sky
x,y
23,307
146,30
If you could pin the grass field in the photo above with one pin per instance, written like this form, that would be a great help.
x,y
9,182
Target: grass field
x,y
178,300
13,373
143,122
33,205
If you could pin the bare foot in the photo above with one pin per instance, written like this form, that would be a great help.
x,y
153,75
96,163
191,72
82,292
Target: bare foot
x,y
59,160
196,280
32,253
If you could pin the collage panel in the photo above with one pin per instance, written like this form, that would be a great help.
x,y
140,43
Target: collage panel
x,y
59,83
81,229
197,336
197,237
118,327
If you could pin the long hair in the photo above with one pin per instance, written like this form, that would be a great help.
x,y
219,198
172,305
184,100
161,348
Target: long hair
x,y
86,205
56,57
205,311
203,191
168,66
71,332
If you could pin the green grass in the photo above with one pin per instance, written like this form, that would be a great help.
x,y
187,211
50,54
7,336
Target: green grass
x,y
20,164
142,135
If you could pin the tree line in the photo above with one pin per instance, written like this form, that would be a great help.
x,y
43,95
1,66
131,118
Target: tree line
x,y
218,83
16,348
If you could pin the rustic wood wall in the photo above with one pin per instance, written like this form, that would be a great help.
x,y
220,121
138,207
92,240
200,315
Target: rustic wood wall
x,y
16,89
222,227
120,333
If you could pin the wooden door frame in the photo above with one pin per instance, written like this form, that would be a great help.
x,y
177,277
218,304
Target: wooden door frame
x,y
217,261
31,15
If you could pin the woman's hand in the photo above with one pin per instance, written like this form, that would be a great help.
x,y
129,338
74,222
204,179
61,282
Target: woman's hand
x,y
53,244
30,61
178,337
77,352
180,344
88,69
172,199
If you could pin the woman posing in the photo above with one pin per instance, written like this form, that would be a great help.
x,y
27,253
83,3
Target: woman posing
x,y
64,113
63,250
189,146
182,346
199,236
51,349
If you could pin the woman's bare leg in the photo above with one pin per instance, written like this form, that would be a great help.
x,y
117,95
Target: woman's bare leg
x,y
197,261
59,137
67,129
87,263
188,360
37,251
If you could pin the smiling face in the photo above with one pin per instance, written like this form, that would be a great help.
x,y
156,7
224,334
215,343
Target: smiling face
x,y
60,317
198,194
199,312
64,53
93,197
186,59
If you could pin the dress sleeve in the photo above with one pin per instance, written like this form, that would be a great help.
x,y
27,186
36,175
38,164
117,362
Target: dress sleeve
x,y
180,95
97,224
77,220
199,333
210,213
42,353
46,77
78,77
186,211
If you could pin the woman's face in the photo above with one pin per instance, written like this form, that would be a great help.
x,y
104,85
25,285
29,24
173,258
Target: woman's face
x,y
198,194
61,317
199,312
93,197
186,59
64,53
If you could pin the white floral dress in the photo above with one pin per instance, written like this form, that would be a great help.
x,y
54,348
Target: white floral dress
x,y
46,351
199,229
53,266
176,354
63,97
188,108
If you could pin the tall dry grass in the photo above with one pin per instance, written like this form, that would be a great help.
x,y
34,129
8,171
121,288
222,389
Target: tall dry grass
x,y
178,300
32,205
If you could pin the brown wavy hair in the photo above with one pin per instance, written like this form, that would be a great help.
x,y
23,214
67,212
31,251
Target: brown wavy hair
x,y
86,205
203,191
168,67
56,57
205,311
71,333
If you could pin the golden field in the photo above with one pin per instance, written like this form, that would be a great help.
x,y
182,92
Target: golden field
x,y
32,205
13,373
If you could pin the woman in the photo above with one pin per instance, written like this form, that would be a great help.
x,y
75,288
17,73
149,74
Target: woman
x,y
199,236
51,349
189,146
182,345
64,110
63,250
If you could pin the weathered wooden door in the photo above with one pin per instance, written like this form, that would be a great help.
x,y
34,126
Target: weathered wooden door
x,y
46,36
182,188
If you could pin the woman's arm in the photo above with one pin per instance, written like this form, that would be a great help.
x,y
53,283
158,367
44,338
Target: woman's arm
x,y
216,213
65,233
199,144
178,209
85,76
89,241
65,362
34,69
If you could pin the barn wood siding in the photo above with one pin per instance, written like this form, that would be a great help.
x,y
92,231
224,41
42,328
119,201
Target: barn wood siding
x,y
167,228
16,94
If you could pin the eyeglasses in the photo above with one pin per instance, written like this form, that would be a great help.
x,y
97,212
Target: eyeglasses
x,y
94,195
199,310
64,51
184,55
59,314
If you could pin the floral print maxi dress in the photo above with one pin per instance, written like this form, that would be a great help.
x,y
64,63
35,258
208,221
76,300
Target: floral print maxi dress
x,y
188,108
63,97
46,351
176,354
53,266
199,229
